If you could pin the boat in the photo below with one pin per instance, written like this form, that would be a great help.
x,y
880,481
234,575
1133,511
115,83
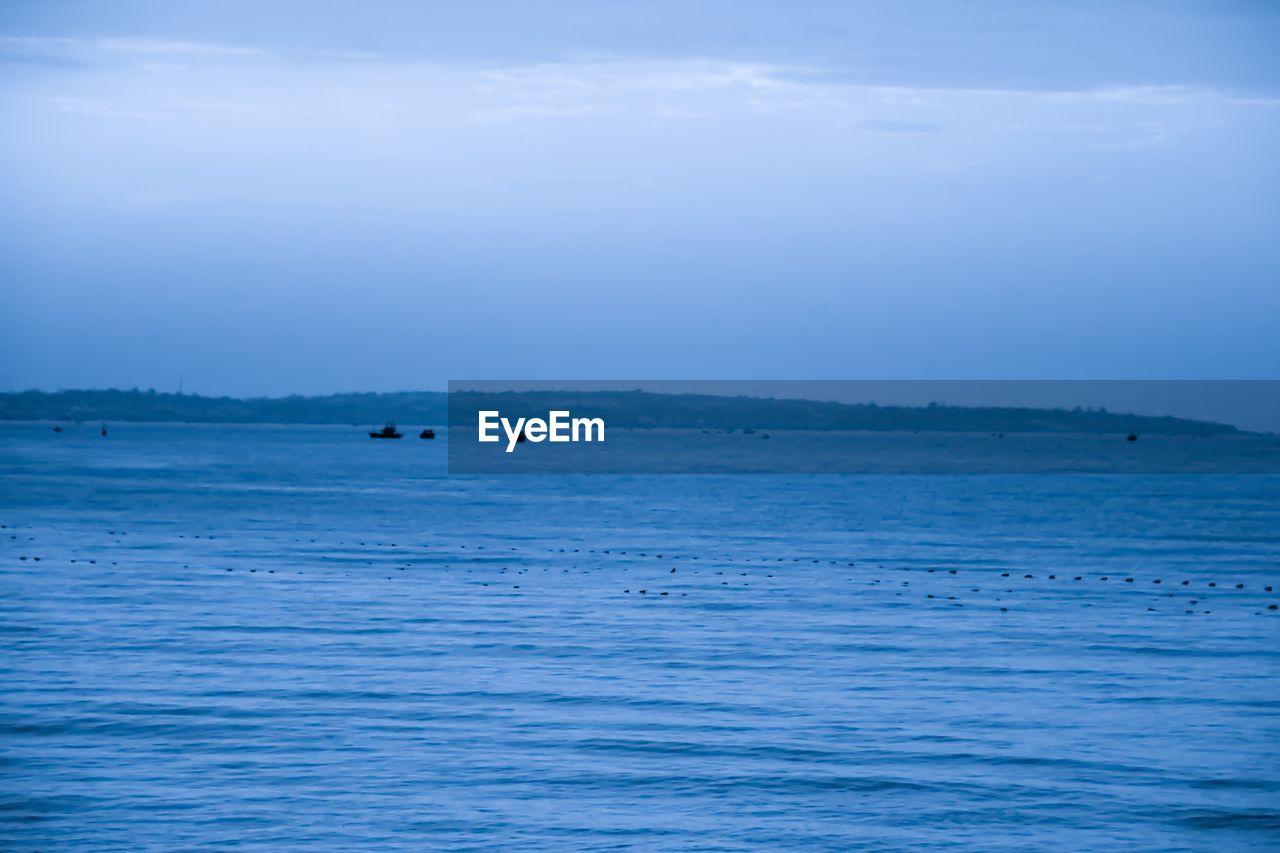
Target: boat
x,y
388,431
427,433
57,428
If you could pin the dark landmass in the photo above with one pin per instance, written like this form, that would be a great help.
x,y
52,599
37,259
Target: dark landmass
x,y
634,409
425,407
638,409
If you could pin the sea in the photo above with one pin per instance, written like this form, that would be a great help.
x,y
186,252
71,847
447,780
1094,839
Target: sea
x,y
297,638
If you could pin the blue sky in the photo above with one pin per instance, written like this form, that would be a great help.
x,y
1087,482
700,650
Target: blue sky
x,y
377,196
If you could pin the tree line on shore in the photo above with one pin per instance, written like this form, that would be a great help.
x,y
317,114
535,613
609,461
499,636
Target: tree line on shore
x,y
627,409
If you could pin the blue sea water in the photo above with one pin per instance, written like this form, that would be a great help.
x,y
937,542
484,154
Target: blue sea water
x,y
298,638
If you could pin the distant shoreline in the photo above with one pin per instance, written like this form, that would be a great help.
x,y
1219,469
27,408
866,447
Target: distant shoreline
x,y
626,409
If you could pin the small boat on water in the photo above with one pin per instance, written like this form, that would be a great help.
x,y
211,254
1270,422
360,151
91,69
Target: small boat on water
x,y
57,428
388,431
427,433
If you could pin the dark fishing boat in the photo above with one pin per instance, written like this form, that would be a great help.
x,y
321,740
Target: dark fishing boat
x,y
427,433
388,431
57,429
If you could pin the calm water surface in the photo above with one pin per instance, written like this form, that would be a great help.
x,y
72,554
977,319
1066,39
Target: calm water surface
x,y
289,638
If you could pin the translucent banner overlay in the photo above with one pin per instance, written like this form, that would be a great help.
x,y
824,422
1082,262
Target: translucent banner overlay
x,y
864,427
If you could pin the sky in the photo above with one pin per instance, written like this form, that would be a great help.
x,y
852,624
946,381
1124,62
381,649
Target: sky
x,y
301,197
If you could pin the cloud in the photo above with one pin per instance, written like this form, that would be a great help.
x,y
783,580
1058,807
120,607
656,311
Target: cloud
x,y
192,118
101,109
519,112
114,52
891,126
123,77
169,47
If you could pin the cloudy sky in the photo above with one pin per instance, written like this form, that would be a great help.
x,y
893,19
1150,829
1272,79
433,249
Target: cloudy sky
x,y
384,195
